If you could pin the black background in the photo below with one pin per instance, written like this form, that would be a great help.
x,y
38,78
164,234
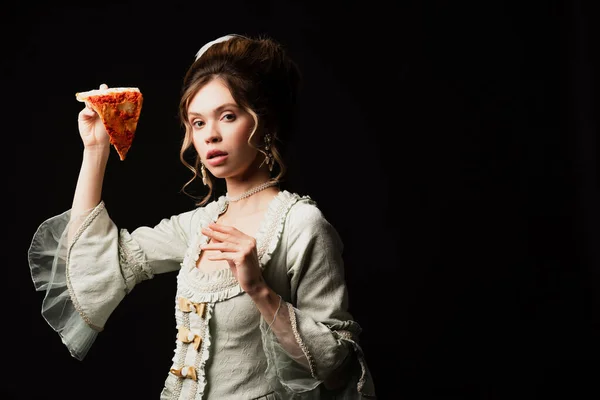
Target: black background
x,y
453,145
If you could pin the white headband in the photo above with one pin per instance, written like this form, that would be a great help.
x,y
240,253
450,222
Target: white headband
x,y
218,40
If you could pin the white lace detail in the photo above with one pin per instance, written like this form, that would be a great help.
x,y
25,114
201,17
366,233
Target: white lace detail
x,y
345,335
202,355
88,220
134,270
77,235
179,358
207,287
311,361
270,232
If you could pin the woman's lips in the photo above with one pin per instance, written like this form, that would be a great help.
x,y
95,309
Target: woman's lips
x,y
214,161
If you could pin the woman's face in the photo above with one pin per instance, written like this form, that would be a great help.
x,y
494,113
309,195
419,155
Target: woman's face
x,y
220,131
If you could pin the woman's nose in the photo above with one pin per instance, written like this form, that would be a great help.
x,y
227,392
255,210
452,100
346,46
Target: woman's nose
x,y
212,139
212,134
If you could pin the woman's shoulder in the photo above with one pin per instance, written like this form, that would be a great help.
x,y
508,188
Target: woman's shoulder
x,y
305,222
296,219
297,205
304,213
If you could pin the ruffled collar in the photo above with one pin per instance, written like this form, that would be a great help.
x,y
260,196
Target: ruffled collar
x,y
220,285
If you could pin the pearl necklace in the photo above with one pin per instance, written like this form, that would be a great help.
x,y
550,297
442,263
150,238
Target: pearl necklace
x,y
250,192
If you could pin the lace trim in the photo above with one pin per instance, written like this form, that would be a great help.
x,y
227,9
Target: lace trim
x,y
206,287
360,385
200,359
99,208
266,232
222,280
363,367
209,289
311,361
204,354
345,335
139,270
180,357
270,234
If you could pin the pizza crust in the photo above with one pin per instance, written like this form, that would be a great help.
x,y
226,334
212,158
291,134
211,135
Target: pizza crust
x,y
83,96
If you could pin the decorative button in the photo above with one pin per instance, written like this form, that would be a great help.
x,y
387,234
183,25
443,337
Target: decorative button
x,y
185,372
186,305
187,336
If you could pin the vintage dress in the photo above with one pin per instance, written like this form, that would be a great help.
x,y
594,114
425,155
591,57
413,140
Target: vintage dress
x,y
218,354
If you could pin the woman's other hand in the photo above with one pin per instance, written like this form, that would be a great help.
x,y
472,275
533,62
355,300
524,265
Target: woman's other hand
x,y
239,250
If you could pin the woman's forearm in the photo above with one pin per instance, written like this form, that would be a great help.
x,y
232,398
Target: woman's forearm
x,y
88,191
274,310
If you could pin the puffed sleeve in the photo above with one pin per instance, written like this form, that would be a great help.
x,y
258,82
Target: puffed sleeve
x,y
86,266
321,326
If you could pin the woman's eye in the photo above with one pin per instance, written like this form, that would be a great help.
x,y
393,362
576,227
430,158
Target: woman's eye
x,y
229,117
197,124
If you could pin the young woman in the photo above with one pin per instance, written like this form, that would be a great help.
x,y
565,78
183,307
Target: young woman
x,y
261,303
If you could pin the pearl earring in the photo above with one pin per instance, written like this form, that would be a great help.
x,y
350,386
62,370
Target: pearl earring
x,y
204,176
268,155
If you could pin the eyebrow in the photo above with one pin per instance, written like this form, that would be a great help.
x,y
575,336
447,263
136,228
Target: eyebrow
x,y
216,110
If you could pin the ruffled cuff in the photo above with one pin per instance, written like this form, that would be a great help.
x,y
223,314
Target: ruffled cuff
x,y
134,267
47,262
360,384
328,353
75,260
289,365
298,369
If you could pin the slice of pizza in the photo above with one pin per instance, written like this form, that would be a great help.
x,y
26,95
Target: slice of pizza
x,y
119,109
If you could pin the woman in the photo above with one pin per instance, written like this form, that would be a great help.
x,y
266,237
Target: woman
x,y
261,303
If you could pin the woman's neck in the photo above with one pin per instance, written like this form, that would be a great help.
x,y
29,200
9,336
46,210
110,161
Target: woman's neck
x,y
256,202
242,186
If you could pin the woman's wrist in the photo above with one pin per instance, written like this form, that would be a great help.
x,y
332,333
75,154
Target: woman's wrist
x,y
96,157
97,151
259,291
267,301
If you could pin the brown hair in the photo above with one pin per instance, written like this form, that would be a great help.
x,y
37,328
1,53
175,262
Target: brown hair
x,y
262,79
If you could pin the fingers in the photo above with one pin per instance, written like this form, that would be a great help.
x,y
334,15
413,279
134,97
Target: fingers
x,y
223,257
221,232
226,238
219,246
86,113
217,232
221,228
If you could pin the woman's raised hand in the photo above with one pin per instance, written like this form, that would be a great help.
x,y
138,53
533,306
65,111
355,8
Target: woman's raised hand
x,y
91,128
